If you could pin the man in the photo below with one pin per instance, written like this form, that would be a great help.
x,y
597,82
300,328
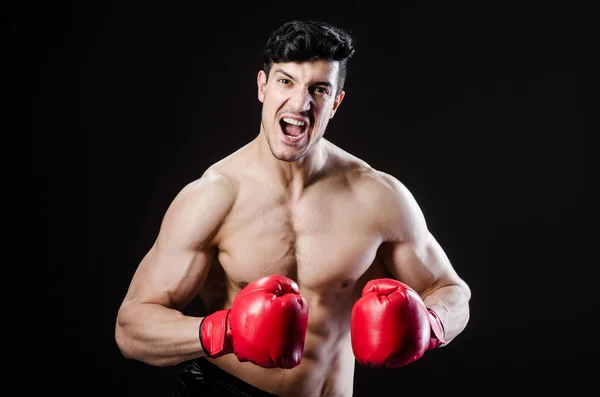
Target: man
x,y
305,257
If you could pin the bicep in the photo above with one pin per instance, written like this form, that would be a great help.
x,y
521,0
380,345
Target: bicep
x,y
411,252
170,277
422,264
176,266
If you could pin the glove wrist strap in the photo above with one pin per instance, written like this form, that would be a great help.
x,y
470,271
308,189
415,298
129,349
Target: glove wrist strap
x,y
213,334
437,330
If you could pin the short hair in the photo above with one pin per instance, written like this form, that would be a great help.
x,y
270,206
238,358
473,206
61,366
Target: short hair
x,y
301,41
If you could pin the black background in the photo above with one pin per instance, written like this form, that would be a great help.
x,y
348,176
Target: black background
x,y
475,107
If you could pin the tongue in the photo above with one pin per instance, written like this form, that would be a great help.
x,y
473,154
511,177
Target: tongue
x,y
292,130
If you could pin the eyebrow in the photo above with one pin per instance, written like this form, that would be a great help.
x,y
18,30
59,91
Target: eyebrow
x,y
323,83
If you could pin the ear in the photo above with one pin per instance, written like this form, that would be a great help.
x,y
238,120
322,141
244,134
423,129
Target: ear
x,y
261,82
336,102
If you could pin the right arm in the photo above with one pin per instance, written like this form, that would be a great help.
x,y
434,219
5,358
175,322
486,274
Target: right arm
x,y
150,326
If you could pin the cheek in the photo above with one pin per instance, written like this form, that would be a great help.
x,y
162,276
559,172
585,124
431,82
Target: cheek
x,y
324,115
272,103
270,117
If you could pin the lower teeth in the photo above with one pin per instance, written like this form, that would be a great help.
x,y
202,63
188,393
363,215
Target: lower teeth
x,y
295,136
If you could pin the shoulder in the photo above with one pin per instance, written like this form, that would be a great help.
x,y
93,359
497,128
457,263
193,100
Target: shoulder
x,y
398,214
365,179
197,211
230,171
207,199
220,178
212,183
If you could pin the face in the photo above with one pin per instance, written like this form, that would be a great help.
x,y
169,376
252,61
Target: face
x,y
298,102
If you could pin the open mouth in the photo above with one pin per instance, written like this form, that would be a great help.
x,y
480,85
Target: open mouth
x,y
293,129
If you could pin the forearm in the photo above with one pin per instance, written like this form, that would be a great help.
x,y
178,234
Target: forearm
x,y
451,304
157,335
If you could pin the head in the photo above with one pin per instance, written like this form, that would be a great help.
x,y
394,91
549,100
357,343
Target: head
x,y
302,84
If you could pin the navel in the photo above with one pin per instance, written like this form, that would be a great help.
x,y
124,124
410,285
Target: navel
x,y
346,283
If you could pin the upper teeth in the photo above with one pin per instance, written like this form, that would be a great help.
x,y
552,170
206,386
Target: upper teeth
x,y
293,121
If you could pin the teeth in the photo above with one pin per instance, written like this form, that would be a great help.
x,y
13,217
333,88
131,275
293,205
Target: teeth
x,y
294,122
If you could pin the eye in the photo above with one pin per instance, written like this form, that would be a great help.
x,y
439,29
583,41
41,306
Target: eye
x,y
284,81
321,90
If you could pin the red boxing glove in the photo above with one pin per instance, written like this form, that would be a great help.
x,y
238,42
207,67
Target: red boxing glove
x,y
391,326
266,325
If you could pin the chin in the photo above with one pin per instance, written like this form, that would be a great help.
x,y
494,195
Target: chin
x,y
288,153
288,157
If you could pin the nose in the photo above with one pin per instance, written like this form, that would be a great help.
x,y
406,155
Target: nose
x,y
301,99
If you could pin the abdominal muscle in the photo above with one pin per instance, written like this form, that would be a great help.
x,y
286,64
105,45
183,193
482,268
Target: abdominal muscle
x,y
327,367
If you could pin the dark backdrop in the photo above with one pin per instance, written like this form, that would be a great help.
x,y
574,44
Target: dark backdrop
x,y
474,106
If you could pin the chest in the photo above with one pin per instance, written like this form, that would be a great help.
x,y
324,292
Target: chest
x,y
322,241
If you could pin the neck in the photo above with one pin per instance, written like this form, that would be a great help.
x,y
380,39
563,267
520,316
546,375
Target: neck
x,y
297,175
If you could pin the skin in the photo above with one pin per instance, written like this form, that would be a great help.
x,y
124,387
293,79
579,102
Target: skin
x,y
307,210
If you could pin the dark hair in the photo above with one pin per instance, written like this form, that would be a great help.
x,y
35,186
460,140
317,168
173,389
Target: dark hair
x,y
301,41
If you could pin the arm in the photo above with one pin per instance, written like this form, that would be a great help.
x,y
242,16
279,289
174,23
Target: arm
x,y
149,326
414,257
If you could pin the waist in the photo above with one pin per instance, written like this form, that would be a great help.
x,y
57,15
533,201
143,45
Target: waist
x,y
324,367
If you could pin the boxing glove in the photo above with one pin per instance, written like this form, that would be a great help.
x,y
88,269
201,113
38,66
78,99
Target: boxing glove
x,y
390,325
266,325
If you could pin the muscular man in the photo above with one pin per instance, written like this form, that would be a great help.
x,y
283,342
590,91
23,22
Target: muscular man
x,y
306,258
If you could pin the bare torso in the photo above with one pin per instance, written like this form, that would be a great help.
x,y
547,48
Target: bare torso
x,y
327,240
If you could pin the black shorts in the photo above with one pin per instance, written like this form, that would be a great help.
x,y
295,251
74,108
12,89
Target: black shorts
x,y
202,378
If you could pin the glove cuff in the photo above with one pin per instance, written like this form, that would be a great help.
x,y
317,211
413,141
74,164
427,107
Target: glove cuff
x,y
437,330
214,335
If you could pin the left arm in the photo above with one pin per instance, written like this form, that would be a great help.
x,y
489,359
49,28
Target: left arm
x,y
413,256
